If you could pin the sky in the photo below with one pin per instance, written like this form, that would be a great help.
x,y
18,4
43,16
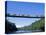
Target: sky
x,y
34,9
21,22
26,8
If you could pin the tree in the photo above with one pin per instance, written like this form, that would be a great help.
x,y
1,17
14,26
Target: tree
x,y
9,27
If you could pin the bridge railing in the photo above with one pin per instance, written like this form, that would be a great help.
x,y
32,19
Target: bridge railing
x,y
23,16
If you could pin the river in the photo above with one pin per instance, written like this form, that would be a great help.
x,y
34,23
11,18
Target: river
x,y
20,31
24,31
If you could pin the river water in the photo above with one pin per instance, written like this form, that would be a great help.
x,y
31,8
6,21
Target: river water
x,y
20,31
24,31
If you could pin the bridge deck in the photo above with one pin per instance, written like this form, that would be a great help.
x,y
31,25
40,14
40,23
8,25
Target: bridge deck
x,y
25,17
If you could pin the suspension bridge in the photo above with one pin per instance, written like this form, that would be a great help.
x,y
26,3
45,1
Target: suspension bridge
x,y
23,16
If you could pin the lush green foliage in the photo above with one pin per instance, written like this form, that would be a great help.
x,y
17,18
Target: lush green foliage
x,y
38,25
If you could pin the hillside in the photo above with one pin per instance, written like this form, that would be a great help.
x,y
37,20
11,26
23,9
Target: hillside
x,y
38,25
9,27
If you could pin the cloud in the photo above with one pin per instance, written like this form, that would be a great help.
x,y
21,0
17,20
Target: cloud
x,y
18,26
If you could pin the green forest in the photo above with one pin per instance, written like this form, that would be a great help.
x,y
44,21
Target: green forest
x,y
37,25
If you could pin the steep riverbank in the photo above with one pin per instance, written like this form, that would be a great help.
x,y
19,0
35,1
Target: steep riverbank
x,y
38,25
